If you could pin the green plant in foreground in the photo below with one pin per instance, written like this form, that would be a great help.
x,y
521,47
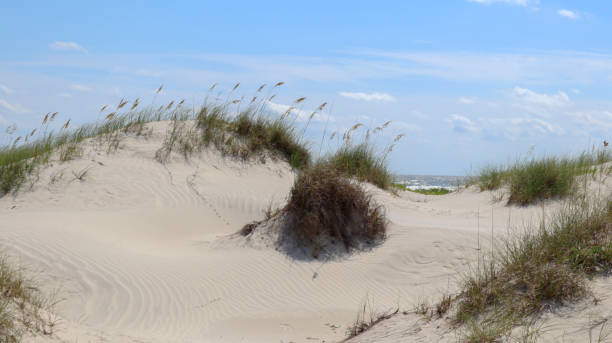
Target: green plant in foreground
x,y
545,266
23,308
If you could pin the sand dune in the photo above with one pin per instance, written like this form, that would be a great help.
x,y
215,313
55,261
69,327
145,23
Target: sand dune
x,y
140,252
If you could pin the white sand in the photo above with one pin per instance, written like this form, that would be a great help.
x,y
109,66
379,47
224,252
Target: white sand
x,y
139,251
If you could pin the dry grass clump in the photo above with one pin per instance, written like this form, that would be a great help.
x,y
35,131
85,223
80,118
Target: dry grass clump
x,y
23,308
531,180
540,269
325,205
366,318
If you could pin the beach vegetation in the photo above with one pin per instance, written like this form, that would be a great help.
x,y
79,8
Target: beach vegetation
x,y
532,179
547,266
326,206
24,308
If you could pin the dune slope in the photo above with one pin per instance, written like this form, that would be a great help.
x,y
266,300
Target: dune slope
x,y
139,250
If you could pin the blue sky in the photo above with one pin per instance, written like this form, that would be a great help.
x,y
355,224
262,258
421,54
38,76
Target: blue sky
x,y
468,82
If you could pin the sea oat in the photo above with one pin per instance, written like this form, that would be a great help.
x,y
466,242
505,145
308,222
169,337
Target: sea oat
x,y
236,86
212,87
103,108
300,100
65,126
235,101
253,100
45,119
356,126
320,108
260,88
53,116
159,89
272,97
279,84
398,137
135,104
110,116
122,103
170,105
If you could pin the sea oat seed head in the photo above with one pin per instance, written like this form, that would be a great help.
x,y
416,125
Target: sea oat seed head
x,y
355,127
135,104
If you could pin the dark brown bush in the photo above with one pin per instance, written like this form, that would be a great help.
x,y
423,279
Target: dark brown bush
x,y
324,204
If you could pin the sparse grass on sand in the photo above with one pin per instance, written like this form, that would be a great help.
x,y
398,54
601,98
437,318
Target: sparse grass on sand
x,y
547,266
18,162
24,310
366,318
534,179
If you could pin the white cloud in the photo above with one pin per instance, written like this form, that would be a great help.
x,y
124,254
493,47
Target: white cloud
x,y
5,89
81,88
467,101
537,124
568,14
593,120
65,95
462,124
68,46
13,108
511,2
554,100
302,114
383,97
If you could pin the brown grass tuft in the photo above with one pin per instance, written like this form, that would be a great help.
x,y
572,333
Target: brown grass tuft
x,y
323,205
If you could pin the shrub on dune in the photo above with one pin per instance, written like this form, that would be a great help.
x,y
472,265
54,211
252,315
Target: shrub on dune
x,y
325,205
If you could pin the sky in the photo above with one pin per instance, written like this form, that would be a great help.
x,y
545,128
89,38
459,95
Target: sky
x,y
468,82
